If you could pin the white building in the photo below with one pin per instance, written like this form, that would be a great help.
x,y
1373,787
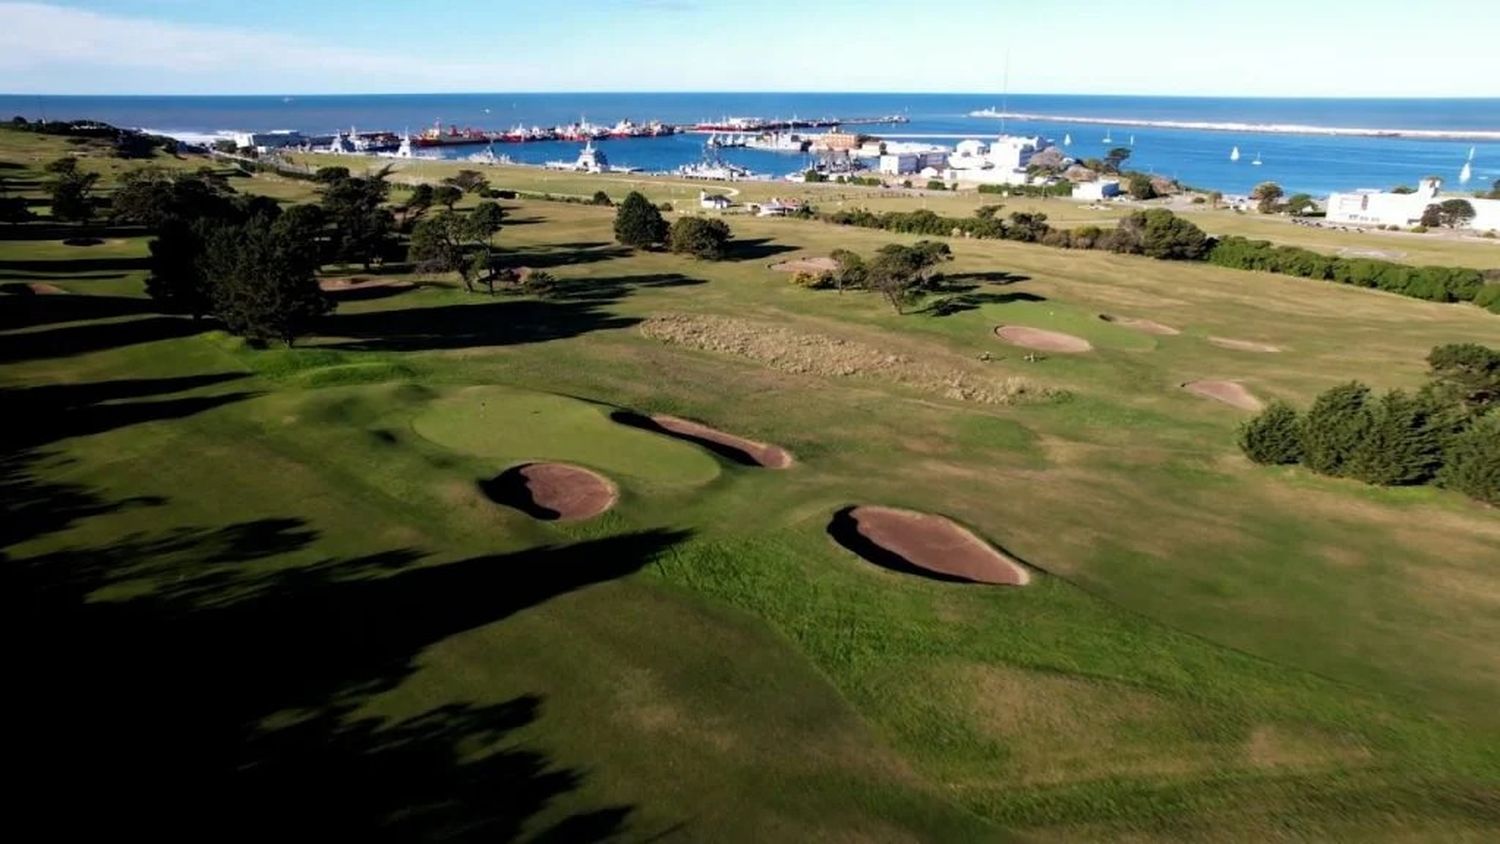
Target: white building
x,y
713,201
898,165
1097,190
264,141
1377,208
1002,162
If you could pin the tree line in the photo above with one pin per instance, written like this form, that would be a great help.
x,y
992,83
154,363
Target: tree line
x,y
1158,233
1447,433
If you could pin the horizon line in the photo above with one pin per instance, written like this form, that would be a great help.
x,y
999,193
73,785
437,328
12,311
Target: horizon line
x,y
764,92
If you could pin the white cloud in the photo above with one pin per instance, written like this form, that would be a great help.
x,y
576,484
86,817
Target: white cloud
x,y
52,49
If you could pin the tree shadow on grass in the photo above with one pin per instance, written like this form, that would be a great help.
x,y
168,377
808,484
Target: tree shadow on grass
x,y
16,275
615,287
484,323
756,249
988,277
75,265
19,310
67,340
956,304
562,255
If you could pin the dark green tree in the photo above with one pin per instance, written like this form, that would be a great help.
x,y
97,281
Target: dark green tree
x,y
72,192
851,270
700,237
1471,463
1115,158
638,223
177,281
1274,436
447,196
1432,216
602,198
263,284
1158,233
1334,427
468,181
1405,442
487,217
362,225
1139,186
1266,196
416,205
1467,374
330,175
1455,213
1299,203
13,209
448,242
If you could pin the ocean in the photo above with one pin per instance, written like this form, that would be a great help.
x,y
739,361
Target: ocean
x,y
1313,163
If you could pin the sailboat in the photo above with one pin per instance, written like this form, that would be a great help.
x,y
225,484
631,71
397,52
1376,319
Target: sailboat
x,y
1256,162
1067,140
1132,140
1465,174
1234,154
1471,154
1107,138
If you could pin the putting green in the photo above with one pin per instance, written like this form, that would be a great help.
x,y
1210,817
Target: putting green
x,y
514,425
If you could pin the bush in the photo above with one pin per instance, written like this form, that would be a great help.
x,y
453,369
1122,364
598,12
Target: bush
x,y
601,198
1417,229
1159,233
1274,436
813,281
1472,461
1405,441
1334,427
936,184
699,237
638,223
1488,298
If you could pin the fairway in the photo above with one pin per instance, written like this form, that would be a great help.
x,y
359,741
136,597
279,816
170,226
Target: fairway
x,y
300,582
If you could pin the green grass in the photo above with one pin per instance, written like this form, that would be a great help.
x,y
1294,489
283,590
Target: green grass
x,y
280,578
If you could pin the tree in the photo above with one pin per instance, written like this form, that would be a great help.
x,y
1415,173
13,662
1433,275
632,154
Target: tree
x,y
1266,194
1333,428
73,195
1432,216
468,181
1116,157
897,273
601,198
177,281
330,175
1214,198
447,196
1027,227
1158,233
62,166
355,207
448,242
1273,437
1471,463
851,269
1404,444
486,218
416,205
1299,203
1403,189
1139,186
1467,374
700,237
638,223
1455,213
13,209
263,280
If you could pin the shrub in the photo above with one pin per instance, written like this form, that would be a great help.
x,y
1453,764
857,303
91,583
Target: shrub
x,y
936,184
1273,437
638,223
1488,297
601,198
1472,461
1405,441
699,237
1417,229
1159,233
1333,428
813,281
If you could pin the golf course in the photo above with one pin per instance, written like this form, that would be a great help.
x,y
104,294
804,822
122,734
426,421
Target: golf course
x,y
677,549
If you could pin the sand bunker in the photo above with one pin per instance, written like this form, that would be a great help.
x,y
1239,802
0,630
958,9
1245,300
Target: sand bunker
x,y
1227,392
812,266
356,284
740,450
1042,341
1242,345
923,543
1146,325
552,491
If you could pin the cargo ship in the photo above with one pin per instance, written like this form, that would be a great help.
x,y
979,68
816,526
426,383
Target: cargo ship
x,y
453,136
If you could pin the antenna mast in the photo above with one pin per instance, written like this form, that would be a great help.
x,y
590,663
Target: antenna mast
x,y
1005,92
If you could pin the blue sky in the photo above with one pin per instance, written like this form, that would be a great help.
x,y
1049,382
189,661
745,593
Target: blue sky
x,y
1184,47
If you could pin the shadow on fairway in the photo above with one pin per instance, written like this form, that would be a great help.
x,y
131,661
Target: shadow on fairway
x,y
616,287
511,489
26,308
59,231
222,683
563,255
756,249
949,305
75,265
94,336
986,277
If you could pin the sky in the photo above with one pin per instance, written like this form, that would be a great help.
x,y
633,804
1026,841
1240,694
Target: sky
x,y
1338,48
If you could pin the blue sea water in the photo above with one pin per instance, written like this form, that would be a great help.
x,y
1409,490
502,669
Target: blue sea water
x,y
1316,164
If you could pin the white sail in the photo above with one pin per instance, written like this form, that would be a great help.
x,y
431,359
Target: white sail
x,y
1234,154
1256,162
1067,140
1132,140
1471,154
1107,138
1465,174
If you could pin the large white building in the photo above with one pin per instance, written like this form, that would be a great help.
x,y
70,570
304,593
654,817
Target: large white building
x,y
1097,190
1001,162
1381,208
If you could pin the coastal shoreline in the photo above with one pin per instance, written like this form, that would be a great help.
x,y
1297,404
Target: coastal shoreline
x,y
1257,128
